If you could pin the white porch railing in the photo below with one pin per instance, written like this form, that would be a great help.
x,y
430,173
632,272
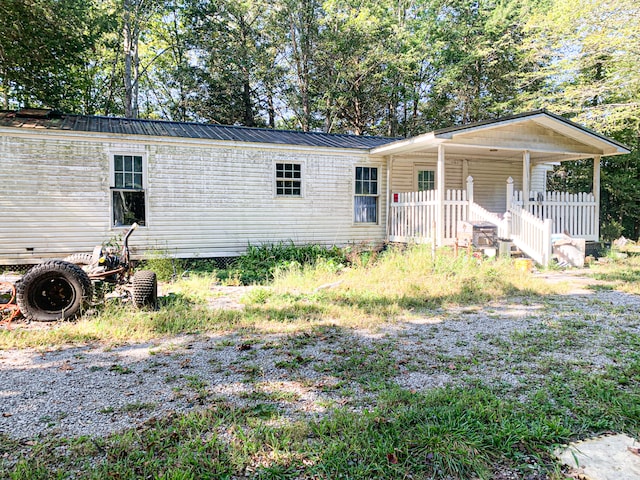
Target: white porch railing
x,y
456,209
530,234
476,212
413,215
572,213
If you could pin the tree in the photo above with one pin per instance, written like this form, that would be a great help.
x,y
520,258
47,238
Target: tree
x,y
167,85
228,40
357,64
44,53
298,23
473,51
587,56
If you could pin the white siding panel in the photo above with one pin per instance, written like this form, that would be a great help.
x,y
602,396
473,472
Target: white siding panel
x,y
404,173
539,177
402,176
490,182
201,201
44,213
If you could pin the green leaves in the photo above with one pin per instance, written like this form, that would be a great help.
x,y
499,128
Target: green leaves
x,y
44,47
586,56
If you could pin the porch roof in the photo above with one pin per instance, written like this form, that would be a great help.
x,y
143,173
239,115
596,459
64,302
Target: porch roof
x,y
548,137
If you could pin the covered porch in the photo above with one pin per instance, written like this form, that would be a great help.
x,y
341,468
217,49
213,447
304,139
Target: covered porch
x,y
494,171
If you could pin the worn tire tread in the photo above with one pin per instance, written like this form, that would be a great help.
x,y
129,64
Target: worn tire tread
x,y
145,289
79,258
72,273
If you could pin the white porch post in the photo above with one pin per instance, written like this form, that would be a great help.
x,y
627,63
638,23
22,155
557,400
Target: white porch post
x,y
596,195
509,193
469,197
465,170
388,203
440,187
526,178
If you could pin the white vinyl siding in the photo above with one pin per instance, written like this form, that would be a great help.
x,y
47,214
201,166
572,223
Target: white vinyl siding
x,y
404,176
489,177
490,183
201,200
539,177
54,199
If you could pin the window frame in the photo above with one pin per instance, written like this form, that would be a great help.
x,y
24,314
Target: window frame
x,y
113,188
375,195
277,179
418,171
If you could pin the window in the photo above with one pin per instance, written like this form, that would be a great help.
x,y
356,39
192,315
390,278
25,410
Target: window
x,y
288,179
426,180
366,197
128,190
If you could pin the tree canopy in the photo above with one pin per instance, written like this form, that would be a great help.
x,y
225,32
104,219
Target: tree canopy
x,y
384,67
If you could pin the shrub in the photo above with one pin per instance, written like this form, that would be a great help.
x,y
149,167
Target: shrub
x,y
166,267
260,263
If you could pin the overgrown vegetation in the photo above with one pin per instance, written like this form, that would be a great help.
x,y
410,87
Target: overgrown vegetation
x,y
475,427
311,286
622,271
261,263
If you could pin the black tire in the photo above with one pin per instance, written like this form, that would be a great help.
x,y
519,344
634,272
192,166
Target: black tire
x,y
145,289
53,290
80,259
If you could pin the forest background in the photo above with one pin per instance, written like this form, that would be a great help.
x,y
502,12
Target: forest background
x,y
366,67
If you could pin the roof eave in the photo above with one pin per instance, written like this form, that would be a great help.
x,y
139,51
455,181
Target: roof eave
x,y
406,145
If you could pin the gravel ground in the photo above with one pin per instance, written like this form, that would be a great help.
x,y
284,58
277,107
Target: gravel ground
x,y
97,390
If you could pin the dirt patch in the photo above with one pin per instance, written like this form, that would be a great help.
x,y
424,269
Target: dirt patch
x,y
227,298
578,280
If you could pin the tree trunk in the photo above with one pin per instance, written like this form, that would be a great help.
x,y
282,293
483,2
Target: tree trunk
x,y
130,35
249,121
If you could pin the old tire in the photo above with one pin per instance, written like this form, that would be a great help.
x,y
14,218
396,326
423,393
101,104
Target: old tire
x,y
80,259
145,289
53,290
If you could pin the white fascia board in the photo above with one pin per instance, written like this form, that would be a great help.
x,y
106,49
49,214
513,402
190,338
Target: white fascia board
x,y
407,145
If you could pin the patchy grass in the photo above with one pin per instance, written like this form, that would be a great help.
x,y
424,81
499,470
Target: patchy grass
x,y
456,433
474,428
624,273
396,285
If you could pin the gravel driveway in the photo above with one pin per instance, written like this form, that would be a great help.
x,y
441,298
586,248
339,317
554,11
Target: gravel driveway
x,y
97,390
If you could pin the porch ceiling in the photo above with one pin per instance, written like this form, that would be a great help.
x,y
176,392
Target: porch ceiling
x,y
548,138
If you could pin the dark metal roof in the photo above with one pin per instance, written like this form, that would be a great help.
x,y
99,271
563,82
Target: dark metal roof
x,y
47,119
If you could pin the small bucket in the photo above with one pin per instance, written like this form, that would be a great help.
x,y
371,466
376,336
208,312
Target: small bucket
x,y
524,264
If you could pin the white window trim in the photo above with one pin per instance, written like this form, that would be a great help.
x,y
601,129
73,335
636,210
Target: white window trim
x,y
112,180
275,180
354,195
418,167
